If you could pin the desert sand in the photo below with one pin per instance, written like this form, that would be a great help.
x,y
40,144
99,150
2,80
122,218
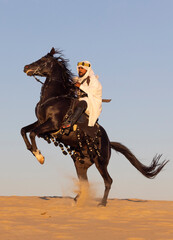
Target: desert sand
x,y
49,218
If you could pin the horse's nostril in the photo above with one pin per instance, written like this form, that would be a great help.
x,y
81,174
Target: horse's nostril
x,y
26,68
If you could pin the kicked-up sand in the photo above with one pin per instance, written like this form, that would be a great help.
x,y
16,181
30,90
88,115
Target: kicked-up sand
x,y
49,218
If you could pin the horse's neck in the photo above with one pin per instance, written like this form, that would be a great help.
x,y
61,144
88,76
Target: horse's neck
x,y
52,88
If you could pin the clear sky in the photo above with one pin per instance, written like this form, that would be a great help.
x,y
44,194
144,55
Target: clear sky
x,y
130,46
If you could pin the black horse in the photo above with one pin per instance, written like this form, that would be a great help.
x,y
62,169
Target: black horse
x,y
86,146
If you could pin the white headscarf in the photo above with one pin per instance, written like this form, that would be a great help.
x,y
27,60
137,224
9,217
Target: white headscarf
x,y
87,66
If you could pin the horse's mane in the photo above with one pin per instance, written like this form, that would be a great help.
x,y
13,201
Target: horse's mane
x,y
63,63
66,74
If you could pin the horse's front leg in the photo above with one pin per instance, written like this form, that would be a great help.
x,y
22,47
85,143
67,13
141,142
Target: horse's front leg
x,y
40,131
81,169
35,150
24,132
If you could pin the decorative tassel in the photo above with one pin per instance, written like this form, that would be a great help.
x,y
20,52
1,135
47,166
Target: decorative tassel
x,y
62,148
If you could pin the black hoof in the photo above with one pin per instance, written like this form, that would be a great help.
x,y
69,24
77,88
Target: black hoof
x,y
102,204
75,199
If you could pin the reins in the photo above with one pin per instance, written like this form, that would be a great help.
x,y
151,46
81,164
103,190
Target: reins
x,y
38,80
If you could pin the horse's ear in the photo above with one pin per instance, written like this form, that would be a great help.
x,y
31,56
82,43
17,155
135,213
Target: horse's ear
x,y
52,52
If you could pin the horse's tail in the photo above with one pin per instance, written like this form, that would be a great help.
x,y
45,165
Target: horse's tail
x,y
148,171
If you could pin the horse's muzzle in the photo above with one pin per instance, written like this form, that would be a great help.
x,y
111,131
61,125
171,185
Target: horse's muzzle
x,y
28,71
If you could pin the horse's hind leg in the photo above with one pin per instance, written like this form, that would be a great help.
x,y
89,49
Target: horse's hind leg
x,y
101,164
107,180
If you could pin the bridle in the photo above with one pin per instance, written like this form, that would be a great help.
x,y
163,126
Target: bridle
x,y
36,72
38,80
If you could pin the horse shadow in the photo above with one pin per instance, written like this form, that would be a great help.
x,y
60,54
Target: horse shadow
x,y
46,198
52,197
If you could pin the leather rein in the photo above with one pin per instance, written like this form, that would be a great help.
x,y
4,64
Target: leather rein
x,y
38,80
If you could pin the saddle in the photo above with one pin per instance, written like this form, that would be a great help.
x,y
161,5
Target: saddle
x,y
82,123
91,136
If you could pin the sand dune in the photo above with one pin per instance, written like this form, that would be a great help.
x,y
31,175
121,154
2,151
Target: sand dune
x,y
32,218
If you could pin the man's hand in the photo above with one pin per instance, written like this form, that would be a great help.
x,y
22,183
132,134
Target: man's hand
x,y
77,84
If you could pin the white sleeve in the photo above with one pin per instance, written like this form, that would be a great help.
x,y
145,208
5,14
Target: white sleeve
x,y
93,87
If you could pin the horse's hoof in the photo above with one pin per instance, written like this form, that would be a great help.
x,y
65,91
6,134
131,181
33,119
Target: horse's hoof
x,y
101,205
39,156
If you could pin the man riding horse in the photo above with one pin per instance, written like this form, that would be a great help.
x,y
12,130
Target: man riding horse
x,y
89,94
57,101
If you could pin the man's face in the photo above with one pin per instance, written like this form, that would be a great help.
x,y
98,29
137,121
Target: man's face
x,y
81,71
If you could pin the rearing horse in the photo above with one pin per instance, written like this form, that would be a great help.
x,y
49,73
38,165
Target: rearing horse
x,y
58,95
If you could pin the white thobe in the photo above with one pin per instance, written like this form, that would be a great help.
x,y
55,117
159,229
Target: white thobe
x,y
94,99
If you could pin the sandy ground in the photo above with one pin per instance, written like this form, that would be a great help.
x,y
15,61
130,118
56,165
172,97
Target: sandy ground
x,y
31,218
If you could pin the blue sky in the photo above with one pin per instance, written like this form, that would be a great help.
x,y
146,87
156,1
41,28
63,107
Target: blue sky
x,y
129,44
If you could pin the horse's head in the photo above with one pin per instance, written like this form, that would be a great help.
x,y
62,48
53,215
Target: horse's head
x,y
43,66
55,70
